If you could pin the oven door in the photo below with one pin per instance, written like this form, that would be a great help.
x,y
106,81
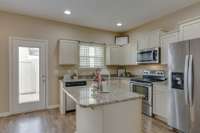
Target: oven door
x,y
145,90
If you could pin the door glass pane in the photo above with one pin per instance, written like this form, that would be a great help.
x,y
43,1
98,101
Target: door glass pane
x,y
28,74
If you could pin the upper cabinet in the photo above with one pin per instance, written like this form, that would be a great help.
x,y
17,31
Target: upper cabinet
x,y
125,55
129,54
167,39
112,55
142,40
190,29
149,39
68,52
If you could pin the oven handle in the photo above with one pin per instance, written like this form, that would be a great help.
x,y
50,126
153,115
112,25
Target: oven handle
x,y
150,91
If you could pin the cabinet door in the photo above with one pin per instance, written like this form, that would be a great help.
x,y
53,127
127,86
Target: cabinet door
x,y
122,58
125,55
142,41
68,52
190,30
154,39
132,54
165,41
115,56
108,53
149,39
161,101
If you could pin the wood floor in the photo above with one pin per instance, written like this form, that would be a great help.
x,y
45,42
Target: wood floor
x,y
50,121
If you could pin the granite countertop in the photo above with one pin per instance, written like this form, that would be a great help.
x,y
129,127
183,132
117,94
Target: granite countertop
x,y
114,92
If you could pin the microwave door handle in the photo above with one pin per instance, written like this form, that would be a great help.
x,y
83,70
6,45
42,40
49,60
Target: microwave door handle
x,y
152,55
186,79
190,80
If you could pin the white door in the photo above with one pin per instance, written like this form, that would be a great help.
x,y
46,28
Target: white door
x,y
28,73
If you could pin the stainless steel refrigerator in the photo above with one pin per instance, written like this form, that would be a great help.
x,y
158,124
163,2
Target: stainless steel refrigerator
x,y
184,84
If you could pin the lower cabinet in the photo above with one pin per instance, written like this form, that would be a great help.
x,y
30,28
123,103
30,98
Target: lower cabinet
x,y
161,101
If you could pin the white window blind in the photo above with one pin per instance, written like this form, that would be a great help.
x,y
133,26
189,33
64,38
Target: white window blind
x,y
91,56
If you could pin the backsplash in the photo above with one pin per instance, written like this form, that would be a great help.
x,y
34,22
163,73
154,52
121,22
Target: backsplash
x,y
138,69
62,70
135,70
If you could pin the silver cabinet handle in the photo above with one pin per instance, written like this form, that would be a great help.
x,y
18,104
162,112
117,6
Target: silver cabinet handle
x,y
186,79
190,80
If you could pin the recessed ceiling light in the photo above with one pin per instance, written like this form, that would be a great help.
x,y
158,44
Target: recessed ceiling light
x,y
67,12
119,24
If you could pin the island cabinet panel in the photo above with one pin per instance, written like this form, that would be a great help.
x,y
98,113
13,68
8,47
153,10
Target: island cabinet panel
x,y
68,52
89,120
122,117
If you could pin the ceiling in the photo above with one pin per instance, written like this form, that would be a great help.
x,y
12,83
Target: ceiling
x,y
100,14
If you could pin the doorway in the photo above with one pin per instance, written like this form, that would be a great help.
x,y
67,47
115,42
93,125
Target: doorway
x,y
28,74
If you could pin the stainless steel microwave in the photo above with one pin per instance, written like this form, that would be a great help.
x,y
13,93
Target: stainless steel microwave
x,y
148,56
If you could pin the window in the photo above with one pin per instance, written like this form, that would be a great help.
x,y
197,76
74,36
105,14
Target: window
x,y
91,56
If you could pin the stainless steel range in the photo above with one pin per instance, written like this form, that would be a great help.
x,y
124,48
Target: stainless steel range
x,y
144,86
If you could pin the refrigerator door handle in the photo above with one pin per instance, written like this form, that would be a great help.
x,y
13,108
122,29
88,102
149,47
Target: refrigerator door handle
x,y
186,79
190,80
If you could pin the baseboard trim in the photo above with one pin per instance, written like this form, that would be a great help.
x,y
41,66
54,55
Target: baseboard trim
x,y
5,114
53,106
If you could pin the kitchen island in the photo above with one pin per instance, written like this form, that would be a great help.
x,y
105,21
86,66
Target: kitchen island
x,y
114,110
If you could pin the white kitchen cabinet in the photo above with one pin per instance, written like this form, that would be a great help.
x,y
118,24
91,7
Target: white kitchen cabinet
x,y
68,52
149,39
154,38
190,29
167,39
129,55
125,55
161,101
112,55
107,60
142,41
